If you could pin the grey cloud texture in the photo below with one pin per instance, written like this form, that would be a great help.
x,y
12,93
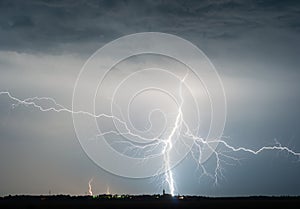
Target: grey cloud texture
x,y
54,25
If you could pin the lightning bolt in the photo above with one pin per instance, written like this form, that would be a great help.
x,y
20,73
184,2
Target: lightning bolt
x,y
165,142
169,142
90,187
107,190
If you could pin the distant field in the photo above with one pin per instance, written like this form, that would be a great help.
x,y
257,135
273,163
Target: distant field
x,y
147,201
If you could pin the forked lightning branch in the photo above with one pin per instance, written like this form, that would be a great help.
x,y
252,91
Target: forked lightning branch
x,y
144,108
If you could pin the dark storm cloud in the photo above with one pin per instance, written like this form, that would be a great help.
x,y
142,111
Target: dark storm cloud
x,y
39,25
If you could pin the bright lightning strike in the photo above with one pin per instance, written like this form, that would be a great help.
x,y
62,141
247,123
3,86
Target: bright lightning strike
x,y
90,187
107,190
167,143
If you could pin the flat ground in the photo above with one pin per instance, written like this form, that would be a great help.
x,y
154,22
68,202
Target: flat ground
x,y
153,201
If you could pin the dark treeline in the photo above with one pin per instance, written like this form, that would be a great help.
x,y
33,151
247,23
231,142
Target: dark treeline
x,y
146,201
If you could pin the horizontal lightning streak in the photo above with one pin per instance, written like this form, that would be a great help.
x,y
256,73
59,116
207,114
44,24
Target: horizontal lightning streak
x,y
167,143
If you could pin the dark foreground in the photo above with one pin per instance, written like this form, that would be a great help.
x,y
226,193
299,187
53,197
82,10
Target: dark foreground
x,y
146,201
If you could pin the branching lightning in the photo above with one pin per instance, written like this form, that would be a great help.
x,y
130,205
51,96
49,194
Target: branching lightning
x,y
165,142
169,142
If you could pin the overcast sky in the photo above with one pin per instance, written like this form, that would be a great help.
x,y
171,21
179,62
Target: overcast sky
x,y
254,45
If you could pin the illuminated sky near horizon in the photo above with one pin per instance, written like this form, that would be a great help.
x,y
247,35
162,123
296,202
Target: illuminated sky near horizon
x,y
254,45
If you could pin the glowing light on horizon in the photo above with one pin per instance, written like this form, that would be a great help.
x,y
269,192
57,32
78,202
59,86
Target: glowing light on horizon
x,y
107,190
